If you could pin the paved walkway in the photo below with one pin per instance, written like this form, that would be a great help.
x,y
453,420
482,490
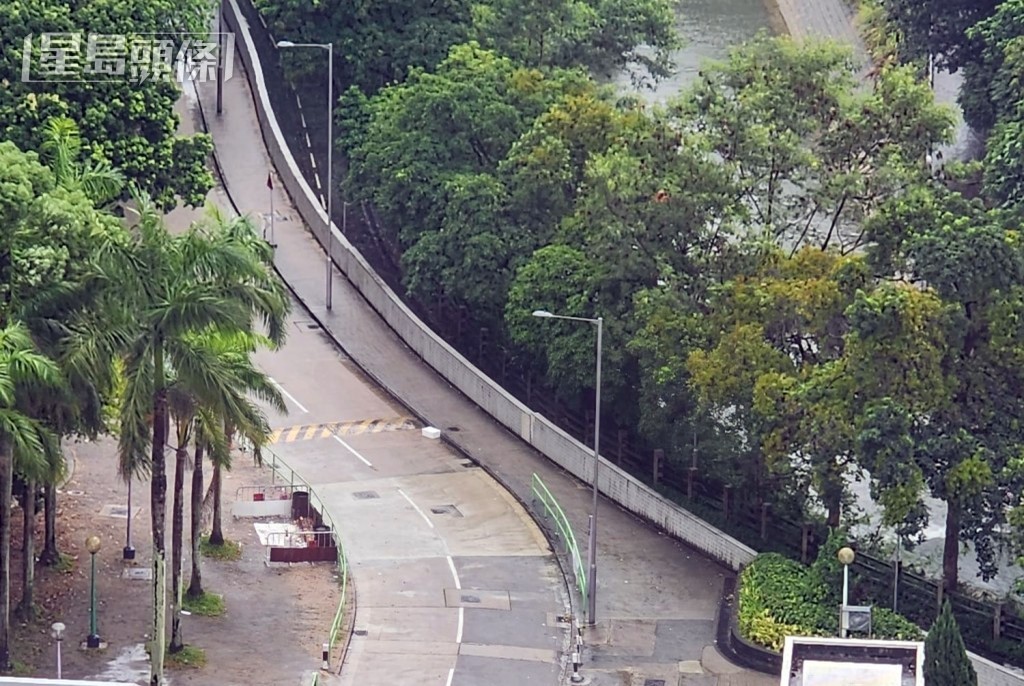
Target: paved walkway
x,y
657,600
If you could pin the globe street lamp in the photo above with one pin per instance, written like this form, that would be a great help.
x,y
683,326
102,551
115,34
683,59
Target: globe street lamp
x,y
330,149
846,557
57,632
92,544
592,539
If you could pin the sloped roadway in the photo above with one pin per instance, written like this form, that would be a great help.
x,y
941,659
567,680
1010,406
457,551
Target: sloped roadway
x,y
657,600
454,583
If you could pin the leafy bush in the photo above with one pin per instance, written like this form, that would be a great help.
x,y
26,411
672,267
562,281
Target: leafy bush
x,y
779,597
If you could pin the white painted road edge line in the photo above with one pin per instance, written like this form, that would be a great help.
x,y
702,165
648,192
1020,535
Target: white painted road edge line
x,y
451,564
288,395
352,450
458,634
416,507
451,675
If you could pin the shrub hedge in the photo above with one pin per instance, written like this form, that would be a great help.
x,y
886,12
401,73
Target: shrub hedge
x,y
779,597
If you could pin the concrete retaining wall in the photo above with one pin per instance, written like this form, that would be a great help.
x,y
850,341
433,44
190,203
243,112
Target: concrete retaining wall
x,y
533,428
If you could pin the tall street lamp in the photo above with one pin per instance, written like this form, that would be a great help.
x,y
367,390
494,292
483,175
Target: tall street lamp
x,y
92,544
330,149
592,538
846,557
128,552
57,632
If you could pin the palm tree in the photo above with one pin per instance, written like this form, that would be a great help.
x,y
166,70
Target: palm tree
x,y
235,351
227,360
173,288
23,439
55,322
61,151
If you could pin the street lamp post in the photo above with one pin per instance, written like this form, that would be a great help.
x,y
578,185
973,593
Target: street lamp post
x,y
128,553
57,632
92,544
592,538
846,556
330,150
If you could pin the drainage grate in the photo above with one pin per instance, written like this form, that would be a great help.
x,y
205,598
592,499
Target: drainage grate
x,y
446,510
365,495
454,429
137,574
468,464
654,682
359,632
476,599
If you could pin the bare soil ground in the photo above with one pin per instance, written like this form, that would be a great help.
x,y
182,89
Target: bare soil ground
x,y
275,621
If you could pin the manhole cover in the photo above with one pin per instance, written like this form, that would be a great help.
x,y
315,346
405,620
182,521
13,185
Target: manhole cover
x,y
446,510
365,495
654,682
74,492
476,599
137,574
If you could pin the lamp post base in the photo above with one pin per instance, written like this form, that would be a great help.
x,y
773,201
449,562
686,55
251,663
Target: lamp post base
x,y
128,553
93,643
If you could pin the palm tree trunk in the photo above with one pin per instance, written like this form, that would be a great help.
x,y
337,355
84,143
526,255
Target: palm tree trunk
x,y
158,511
6,483
216,534
50,554
177,534
195,586
26,608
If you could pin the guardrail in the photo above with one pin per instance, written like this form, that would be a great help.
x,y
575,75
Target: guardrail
x,y
277,492
283,469
554,510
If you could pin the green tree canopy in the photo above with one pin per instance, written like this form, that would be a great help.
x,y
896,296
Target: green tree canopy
x,y
130,125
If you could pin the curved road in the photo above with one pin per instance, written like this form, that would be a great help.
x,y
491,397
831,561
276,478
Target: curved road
x,y
454,583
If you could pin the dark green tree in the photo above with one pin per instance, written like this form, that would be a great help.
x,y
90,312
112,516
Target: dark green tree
x,y
945,657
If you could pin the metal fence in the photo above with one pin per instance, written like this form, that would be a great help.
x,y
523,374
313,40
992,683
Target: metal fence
x,y
563,528
281,468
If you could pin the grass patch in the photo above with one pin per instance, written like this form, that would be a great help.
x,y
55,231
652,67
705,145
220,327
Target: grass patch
x,y
65,565
207,605
21,669
189,657
229,552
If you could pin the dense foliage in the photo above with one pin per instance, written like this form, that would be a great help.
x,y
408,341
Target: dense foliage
x,y
124,120
379,43
779,597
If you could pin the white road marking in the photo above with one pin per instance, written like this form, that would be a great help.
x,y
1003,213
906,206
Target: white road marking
x,y
289,396
416,507
308,144
312,161
451,564
352,450
451,675
458,635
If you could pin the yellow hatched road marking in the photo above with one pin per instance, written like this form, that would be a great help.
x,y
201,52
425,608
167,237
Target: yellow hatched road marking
x,y
308,432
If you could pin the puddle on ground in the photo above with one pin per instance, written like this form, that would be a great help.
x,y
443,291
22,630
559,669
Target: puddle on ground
x,y
131,666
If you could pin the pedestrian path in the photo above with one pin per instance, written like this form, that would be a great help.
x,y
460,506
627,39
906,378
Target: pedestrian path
x,y
657,600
